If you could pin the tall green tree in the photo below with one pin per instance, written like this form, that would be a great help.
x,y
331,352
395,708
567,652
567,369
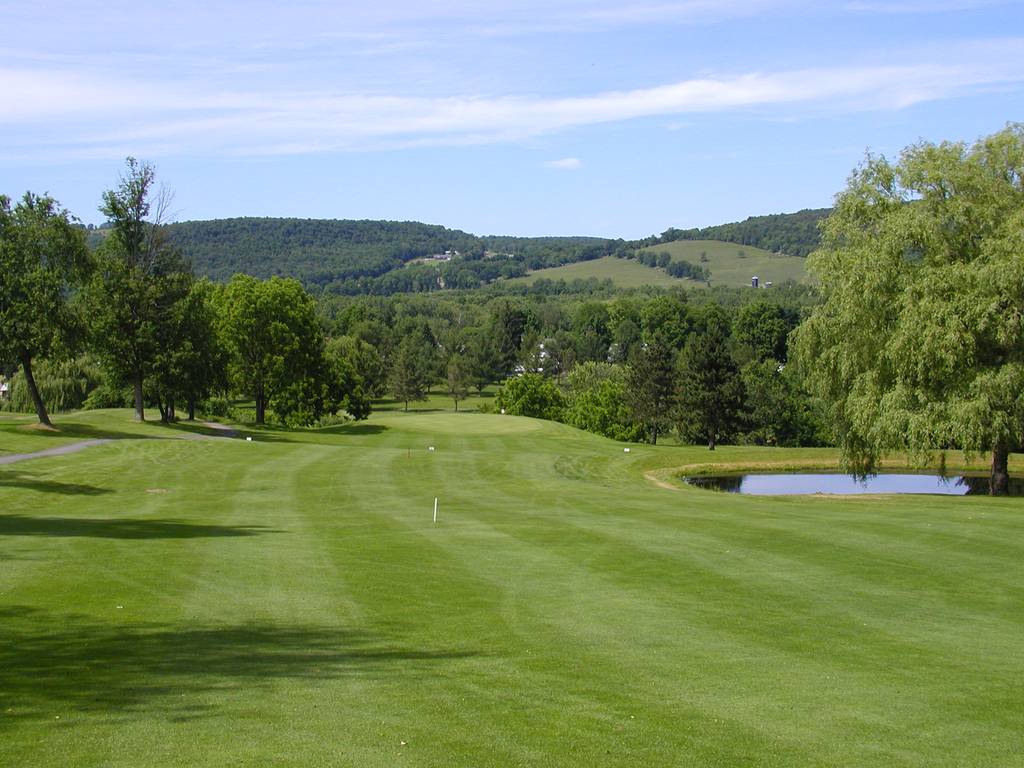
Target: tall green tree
x,y
275,342
411,370
190,362
138,279
482,358
709,390
762,327
364,360
457,379
650,388
918,343
43,256
509,323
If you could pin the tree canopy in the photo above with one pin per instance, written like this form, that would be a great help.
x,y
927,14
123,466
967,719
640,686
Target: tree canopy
x,y
919,341
42,256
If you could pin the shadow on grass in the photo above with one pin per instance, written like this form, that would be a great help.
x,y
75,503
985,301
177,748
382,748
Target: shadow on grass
x,y
31,483
115,528
83,431
354,429
66,665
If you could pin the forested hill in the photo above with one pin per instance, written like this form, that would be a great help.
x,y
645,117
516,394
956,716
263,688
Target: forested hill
x,y
794,234
353,257
315,250
350,256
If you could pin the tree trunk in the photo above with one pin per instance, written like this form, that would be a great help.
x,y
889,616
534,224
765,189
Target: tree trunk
x,y
191,409
711,442
171,413
406,406
162,408
140,414
261,404
654,435
456,404
37,399
999,480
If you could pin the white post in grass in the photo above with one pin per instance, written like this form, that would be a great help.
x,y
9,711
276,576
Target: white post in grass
x,y
435,509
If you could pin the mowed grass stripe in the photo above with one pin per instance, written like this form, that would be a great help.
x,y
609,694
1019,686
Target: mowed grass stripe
x,y
564,610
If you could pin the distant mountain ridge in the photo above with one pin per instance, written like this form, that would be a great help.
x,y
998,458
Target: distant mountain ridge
x,y
368,256
349,256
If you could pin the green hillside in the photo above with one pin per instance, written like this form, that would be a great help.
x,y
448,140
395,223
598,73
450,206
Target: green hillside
x,y
731,266
734,265
795,234
350,257
624,273
288,602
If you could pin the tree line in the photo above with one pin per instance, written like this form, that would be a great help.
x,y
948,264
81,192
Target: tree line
x,y
914,343
136,312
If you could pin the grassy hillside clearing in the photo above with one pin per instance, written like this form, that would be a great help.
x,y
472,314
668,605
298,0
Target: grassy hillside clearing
x,y
625,273
288,602
730,268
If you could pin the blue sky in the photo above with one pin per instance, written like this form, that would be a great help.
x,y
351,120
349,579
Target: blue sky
x,y
563,117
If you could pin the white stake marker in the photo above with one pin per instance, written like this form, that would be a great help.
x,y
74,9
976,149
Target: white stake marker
x,y
435,509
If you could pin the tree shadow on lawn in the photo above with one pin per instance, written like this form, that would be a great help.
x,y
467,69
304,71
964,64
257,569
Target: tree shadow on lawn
x,y
353,429
65,665
119,528
32,483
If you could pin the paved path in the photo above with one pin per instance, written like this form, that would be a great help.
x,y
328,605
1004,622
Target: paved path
x,y
61,450
228,431
58,451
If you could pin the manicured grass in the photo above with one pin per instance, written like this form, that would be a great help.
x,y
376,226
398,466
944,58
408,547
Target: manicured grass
x,y
288,602
730,268
730,264
625,273
437,400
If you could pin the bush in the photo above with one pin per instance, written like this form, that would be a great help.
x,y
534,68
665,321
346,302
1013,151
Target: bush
x,y
216,407
598,404
108,396
531,395
332,419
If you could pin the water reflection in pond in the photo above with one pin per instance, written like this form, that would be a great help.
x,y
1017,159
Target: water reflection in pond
x,y
809,483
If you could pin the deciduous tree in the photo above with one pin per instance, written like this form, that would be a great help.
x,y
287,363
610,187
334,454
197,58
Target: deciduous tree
x,y
918,343
271,330
137,280
43,256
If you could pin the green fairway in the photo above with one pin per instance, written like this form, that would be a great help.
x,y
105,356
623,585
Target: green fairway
x,y
625,273
288,602
734,265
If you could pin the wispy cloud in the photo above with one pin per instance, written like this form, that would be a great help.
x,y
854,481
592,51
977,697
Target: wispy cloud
x,y
565,164
920,6
180,117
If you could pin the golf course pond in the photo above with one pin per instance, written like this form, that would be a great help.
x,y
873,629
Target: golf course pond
x,y
800,484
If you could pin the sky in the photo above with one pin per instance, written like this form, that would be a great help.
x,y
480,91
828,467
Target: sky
x,y
557,117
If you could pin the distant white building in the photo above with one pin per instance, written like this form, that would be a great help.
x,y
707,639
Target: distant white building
x,y
446,256
5,389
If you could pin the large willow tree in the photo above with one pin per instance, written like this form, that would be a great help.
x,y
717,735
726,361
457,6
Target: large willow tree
x,y
919,342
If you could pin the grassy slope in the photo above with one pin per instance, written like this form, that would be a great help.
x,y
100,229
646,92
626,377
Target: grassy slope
x,y
727,268
287,602
625,273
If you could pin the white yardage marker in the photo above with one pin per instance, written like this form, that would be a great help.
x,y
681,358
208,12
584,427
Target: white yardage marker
x,y
435,509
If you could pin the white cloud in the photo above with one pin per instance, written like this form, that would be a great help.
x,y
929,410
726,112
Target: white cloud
x,y
565,164
68,113
920,6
